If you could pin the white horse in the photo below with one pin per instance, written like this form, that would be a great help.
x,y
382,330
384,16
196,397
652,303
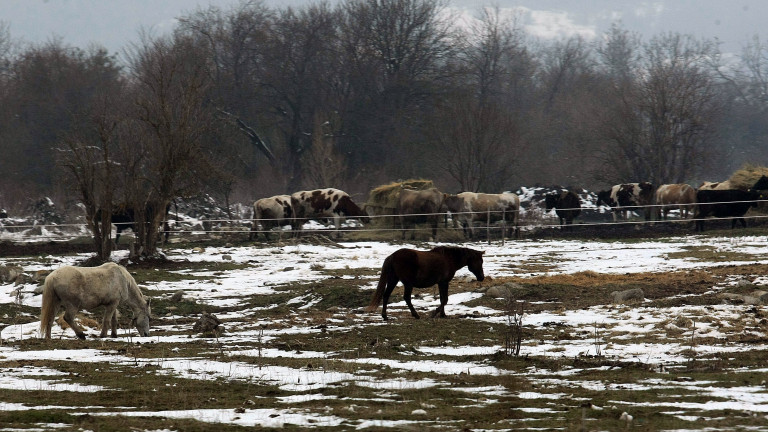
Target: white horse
x,y
76,288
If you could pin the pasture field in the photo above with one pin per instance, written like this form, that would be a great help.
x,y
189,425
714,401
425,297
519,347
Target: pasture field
x,y
298,349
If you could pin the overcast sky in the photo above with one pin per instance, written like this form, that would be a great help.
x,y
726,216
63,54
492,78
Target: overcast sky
x,y
115,23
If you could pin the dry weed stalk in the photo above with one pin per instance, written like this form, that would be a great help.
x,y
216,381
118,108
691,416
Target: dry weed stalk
x,y
598,350
513,337
692,350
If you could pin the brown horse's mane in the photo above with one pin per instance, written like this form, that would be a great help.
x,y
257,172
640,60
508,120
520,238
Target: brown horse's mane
x,y
452,250
458,255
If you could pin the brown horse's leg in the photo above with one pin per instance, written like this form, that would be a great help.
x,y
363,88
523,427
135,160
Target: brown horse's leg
x,y
69,317
440,311
391,284
407,297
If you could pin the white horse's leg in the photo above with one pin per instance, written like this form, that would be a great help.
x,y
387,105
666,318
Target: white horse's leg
x,y
108,321
114,323
69,317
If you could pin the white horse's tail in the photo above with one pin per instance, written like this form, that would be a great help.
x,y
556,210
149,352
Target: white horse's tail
x,y
50,306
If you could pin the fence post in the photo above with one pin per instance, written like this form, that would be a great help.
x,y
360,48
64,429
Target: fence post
x,y
503,226
488,226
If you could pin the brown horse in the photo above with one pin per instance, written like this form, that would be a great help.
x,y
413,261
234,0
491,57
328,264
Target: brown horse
x,y
423,269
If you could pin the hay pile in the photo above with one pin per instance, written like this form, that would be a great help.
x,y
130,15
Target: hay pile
x,y
746,177
383,199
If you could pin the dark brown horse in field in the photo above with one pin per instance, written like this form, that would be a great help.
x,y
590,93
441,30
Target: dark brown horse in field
x,y
423,269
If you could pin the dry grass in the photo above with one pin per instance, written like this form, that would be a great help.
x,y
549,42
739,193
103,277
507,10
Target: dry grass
x,y
338,330
747,175
383,199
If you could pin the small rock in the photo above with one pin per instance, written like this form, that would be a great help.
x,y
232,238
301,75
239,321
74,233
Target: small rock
x,y
177,296
761,295
226,257
505,291
731,297
208,323
9,274
418,412
24,279
628,295
39,276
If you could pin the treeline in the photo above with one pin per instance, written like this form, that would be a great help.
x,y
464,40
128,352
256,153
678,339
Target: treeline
x,y
254,101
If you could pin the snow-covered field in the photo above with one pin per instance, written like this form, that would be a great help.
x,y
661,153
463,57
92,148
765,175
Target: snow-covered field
x,y
622,334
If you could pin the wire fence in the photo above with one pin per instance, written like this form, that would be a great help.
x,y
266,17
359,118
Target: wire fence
x,y
494,223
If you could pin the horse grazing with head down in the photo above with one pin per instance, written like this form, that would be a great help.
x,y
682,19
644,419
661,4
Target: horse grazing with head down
x,y
76,288
423,269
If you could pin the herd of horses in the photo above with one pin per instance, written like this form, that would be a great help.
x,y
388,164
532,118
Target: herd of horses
x,y
718,200
469,209
412,207
76,288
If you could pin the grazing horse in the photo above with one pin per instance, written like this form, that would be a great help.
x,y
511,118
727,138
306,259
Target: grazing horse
x,y
485,208
679,195
566,204
628,197
270,213
326,203
124,217
419,206
77,288
731,204
423,269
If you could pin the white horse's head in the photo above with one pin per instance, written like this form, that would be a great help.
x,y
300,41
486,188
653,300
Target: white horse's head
x,y
141,320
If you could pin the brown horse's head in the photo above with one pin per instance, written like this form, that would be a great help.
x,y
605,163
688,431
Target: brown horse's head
x,y
475,263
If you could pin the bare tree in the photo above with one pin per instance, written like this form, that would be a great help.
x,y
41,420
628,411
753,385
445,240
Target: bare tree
x,y
660,126
564,65
477,131
558,123
325,165
395,53
744,127
86,156
619,55
300,55
496,57
85,148
171,81
476,144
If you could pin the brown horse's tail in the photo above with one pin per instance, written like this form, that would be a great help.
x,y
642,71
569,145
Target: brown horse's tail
x,y
386,269
50,306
